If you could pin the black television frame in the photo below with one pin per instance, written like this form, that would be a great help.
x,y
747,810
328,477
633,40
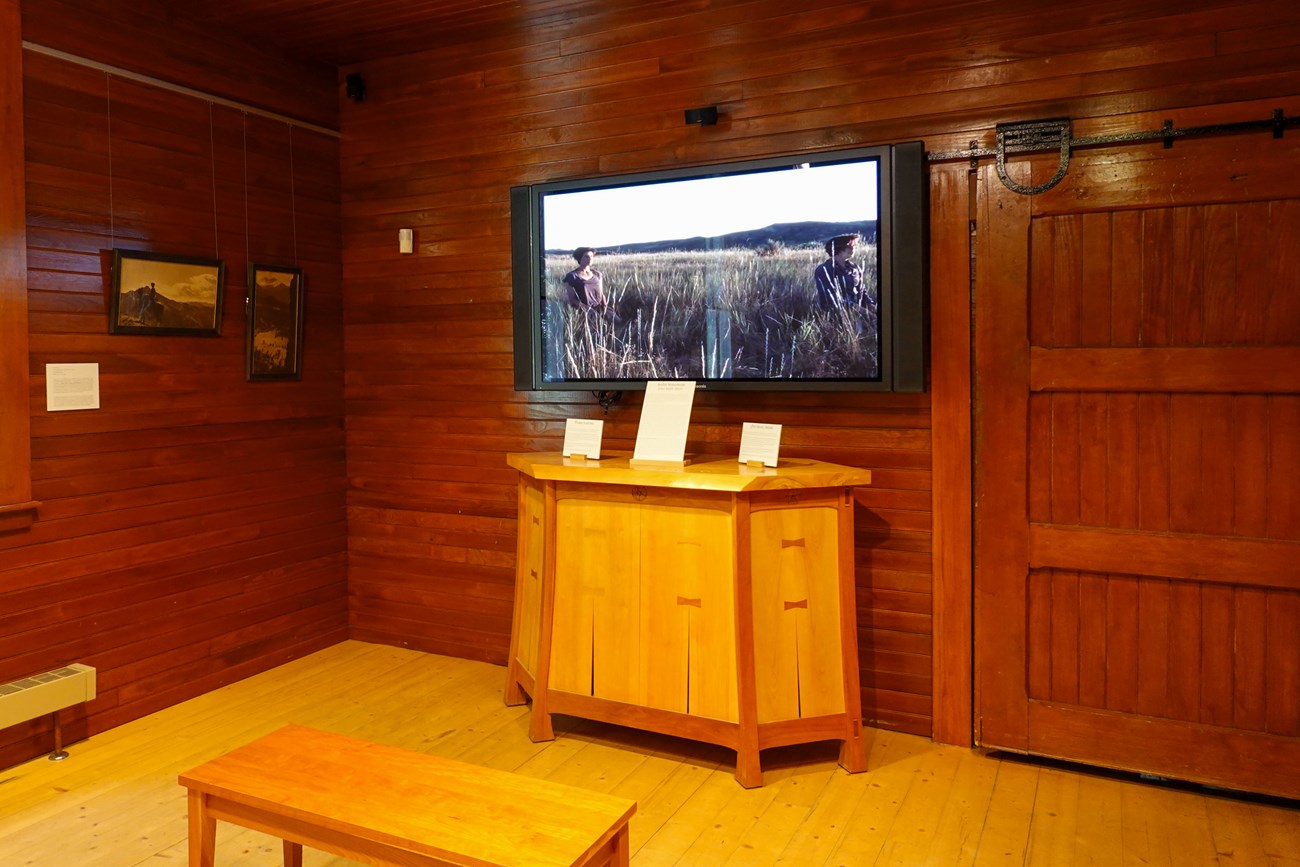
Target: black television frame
x,y
903,238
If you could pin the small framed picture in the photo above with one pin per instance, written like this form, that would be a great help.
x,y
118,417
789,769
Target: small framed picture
x,y
274,322
153,293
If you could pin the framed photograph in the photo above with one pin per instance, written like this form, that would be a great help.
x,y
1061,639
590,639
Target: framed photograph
x,y
154,293
274,322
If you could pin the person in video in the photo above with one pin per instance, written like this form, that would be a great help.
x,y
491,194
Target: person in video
x,y
839,279
584,286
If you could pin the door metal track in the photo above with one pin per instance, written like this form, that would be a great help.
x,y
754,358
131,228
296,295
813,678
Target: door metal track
x,y
1043,136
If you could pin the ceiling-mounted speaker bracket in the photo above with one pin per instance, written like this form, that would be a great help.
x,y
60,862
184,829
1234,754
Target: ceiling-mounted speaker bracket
x,y
1033,136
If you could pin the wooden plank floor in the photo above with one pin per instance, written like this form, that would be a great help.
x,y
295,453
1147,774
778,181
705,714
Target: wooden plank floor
x,y
116,803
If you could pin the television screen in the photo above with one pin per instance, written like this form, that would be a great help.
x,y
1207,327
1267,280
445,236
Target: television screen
x,y
769,273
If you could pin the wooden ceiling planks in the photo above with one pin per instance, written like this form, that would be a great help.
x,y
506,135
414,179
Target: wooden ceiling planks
x,y
345,32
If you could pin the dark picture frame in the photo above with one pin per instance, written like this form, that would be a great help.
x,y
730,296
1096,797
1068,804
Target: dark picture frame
x,y
156,293
275,295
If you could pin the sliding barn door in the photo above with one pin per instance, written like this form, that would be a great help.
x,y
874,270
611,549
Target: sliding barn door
x,y
1137,553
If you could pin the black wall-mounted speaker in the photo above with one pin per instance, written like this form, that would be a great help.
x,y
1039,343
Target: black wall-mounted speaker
x,y
356,87
704,116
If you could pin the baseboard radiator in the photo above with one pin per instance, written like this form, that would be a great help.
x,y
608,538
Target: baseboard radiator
x,y
47,693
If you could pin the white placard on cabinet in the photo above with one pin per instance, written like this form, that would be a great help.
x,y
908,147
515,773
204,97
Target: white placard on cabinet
x,y
665,419
760,443
582,437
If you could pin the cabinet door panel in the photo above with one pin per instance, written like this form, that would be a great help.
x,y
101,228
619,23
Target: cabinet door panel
x,y
795,573
596,633
532,560
688,606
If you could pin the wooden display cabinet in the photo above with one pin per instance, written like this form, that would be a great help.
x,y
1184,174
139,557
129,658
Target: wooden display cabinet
x,y
713,601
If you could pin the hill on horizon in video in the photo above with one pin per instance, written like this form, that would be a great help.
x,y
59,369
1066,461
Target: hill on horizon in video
x,y
787,234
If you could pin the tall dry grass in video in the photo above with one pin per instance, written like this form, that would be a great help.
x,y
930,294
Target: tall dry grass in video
x,y
739,313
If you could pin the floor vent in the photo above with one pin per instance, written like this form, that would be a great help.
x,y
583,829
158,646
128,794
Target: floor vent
x,y
30,697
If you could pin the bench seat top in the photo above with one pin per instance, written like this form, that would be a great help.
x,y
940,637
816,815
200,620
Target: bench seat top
x,y
463,813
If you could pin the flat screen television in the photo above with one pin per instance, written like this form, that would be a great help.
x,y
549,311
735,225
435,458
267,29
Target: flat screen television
x,y
804,273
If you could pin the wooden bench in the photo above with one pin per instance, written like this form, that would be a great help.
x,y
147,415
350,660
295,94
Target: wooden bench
x,y
382,805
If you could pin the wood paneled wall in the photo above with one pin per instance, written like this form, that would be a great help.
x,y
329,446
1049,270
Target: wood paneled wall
x,y
16,506
192,530
445,133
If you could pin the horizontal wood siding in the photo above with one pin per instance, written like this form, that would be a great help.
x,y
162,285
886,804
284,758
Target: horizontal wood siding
x,y
16,505
192,531
444,134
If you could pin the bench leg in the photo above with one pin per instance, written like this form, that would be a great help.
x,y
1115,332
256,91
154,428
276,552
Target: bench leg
x,y
292,854
617,852
203,832
622,854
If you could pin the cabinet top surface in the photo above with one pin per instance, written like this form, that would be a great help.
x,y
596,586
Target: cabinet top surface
x,y
701,472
